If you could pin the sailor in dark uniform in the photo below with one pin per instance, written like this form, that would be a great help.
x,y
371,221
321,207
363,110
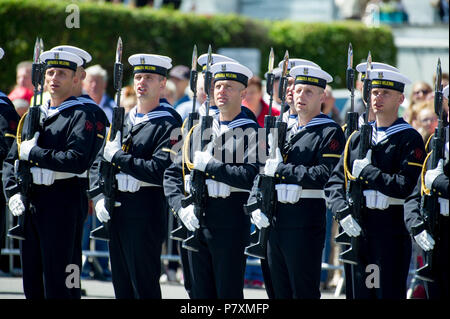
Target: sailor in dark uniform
x,y
388,175
139,225
435,180
58,152
8,127
313,148
218,267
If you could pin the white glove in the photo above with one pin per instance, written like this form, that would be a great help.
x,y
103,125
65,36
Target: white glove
x,y
350,226
42,176
122,182
48,176
188,217
112,147
272,163
133,184
360,164
101,211
187,183
16,205
36,172
424,240
26,146
218,189
432,174
376,199
260,219
201,159
443,203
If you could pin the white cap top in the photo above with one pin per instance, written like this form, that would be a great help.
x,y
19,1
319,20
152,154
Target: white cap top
x,y
445,92
231,71
150,63
61,59
215,58
388,79
1,53
295,62
80,52
306,74
361,68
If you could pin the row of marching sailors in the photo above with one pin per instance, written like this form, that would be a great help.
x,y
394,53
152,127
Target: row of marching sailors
x,y
151,177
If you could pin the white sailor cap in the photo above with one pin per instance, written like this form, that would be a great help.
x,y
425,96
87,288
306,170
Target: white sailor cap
x,y
276,73
295,62
1,53
361,68
445,92
306,74
388,79
215,58
86,57
150,63
231,71
61,59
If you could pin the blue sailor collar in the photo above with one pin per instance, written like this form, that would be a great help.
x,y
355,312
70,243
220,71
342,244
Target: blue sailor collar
x,y
1,96
381,134
315,121
51,111
136,118
220,127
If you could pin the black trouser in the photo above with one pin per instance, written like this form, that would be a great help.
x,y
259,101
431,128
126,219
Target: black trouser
x,y
295,259
51,242
218,267
391,256
137,234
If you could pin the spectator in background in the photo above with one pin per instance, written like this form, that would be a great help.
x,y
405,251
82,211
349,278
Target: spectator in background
x,y
180,75
351,9
426,120
420,92
186,107
329,106
128,98
254,101
21,97
23,75
170,92
95,86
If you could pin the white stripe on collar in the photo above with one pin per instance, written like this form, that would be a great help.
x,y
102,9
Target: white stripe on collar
x,y
318,120
379,137
135,120
52,111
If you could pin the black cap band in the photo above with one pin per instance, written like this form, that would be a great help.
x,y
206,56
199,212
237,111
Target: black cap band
x,y
311,80
65,64
387,84
220,76
147,68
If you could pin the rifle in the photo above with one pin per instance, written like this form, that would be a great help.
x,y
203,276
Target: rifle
x,y
181,232
265,197
351,122
199,193
354,254
429,204
107,181
22,168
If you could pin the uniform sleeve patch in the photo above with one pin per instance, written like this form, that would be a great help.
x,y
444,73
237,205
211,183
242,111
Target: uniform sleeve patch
x,y
99,126
418,154
334,145
89,126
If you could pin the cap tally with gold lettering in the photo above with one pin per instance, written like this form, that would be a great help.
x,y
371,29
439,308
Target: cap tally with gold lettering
x,y
85,56
231,71
306,74
361,68
150,63
388,79
1,53
445,92
215,58
61,59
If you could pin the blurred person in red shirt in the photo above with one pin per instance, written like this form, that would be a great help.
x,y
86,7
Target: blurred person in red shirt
x,y
254,101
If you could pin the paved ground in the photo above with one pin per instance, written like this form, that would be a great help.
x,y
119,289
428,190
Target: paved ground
x,y
11,288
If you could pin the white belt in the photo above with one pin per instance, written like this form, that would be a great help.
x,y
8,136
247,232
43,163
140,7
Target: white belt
x,y
232,190
312,193
145,184
64,175
396,201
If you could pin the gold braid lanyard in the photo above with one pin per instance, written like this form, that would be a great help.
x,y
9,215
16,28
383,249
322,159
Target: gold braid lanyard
x,y
347,174
19,132
423,188
185,153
